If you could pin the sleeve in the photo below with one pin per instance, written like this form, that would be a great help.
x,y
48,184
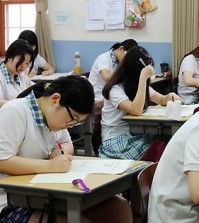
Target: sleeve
x,y
117,95
104,62
188,64
63,136
13,130
151,92
40,61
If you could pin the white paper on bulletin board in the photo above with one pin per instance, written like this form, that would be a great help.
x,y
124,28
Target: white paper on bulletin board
x,y
105,14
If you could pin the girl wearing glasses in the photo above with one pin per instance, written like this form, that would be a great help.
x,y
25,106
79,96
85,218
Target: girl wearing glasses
x,y
30,125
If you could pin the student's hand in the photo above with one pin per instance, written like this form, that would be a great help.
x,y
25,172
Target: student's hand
x,y
45,73
147,71
173,96
60,164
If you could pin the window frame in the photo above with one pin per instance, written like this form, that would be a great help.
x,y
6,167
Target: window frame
x,y
2,20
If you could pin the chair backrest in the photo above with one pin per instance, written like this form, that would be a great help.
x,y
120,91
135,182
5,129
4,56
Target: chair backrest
x,y
145,178
174,82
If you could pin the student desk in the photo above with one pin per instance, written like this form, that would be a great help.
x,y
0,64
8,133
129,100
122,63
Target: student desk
x,y
150,123
68,197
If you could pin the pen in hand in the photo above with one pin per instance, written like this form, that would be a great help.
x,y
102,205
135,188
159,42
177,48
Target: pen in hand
x,y
142,62
60,147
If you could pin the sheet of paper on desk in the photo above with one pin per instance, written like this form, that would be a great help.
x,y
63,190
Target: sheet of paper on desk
x,y
108,166
51,77
80,169
161,110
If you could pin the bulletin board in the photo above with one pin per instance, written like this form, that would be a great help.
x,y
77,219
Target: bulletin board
x,y
136,10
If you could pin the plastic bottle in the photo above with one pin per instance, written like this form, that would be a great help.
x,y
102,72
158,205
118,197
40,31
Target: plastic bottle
x,y
77,68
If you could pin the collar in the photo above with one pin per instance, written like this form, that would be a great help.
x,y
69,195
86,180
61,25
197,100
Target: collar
x,y
114,61
7,75
35,109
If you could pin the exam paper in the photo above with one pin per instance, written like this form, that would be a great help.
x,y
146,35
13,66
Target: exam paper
x,y
80,169
51,77
161,110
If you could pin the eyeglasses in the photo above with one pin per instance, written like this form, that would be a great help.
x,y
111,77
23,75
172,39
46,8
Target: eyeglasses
x,y
72,122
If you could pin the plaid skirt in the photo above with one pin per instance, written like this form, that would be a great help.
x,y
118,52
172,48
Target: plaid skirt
x,y
127,146
14,214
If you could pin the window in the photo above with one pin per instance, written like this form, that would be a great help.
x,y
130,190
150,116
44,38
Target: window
x,y
15,16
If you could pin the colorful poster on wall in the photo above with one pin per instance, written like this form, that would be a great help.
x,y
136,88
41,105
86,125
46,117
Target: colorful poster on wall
x,y
136,11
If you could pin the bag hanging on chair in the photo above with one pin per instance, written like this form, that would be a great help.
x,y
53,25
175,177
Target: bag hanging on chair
x,y
155,150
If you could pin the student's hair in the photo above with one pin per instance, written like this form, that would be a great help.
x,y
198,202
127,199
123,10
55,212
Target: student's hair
x,y
127,44
31,37
76,92
20,48
195,52
128,72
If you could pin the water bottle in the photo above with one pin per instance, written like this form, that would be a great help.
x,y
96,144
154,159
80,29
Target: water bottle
x,y
77,68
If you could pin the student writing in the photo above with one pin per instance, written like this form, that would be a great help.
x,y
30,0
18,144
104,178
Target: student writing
x,y
128,92
29,129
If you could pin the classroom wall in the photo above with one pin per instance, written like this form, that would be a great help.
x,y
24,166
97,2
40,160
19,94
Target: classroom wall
x,y
68,38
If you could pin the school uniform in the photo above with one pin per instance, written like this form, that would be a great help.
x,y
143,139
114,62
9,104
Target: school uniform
x,y
170,199
104,61
117,139
191,64
9,88
38,64
32,140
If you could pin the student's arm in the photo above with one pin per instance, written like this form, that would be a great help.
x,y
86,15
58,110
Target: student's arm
x,y
2,102
48,69
189,80
17,165
135,107
163,99
193,181
106,74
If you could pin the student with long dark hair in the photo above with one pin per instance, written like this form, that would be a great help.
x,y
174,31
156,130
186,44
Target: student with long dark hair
x,y
128,92
30,127
100,73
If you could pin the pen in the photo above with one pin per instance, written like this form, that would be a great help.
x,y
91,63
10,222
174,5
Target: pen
x,y
142,62
60,147
80,182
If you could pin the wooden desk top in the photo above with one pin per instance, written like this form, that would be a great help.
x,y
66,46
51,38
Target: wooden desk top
x,y
152,118
159,79
93,181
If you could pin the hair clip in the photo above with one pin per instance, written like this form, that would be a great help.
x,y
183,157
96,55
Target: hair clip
x,y
46,85
80,182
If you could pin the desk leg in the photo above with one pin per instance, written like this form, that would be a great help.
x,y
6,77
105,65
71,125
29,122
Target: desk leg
x,y
73,211
174,128
88,127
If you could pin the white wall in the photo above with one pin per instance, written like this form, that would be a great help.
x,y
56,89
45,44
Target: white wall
x,y
158,24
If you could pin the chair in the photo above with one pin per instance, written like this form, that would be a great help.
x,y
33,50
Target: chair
x,y
145,178
174,82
